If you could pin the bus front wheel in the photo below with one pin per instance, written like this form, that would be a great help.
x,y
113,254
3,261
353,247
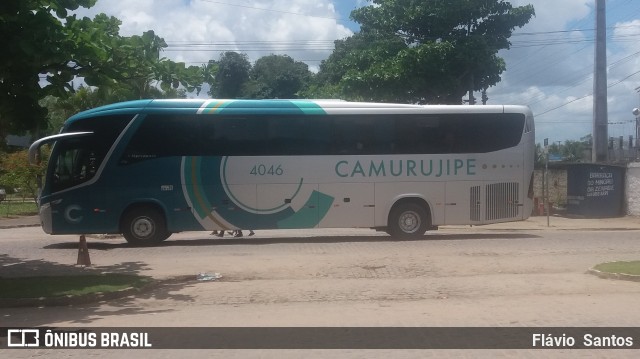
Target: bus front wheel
x,y
144,226
408,220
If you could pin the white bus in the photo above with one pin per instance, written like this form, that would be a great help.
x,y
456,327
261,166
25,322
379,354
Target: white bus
x,y
150,168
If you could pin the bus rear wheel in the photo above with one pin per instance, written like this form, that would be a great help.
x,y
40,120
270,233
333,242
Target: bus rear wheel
x,y
144,226
408,220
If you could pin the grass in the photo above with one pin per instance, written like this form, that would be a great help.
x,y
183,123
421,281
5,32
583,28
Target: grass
x,y
74,285
630,267
17,208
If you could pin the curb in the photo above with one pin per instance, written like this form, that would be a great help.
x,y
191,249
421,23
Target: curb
x,y
70,300
19,221
11,226
619,276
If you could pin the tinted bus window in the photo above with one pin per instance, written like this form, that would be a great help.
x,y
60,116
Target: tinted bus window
x,y
298,135
77,161
291,135
459,133
106,130
232,136
162,136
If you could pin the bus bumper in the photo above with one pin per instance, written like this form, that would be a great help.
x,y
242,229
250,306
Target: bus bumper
x,y
45,218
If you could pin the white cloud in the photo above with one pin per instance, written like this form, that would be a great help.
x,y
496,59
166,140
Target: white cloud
x,y
559,66
545,70
199,30
554,14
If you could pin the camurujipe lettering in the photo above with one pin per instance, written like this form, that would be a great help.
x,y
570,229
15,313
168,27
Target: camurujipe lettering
x,y
408,168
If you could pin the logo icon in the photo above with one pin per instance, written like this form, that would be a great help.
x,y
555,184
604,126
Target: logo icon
x,y
23,338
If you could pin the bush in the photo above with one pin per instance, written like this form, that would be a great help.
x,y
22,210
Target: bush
x,y
18,174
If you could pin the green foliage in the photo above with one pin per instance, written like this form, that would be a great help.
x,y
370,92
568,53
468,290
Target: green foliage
x,y
132,68
322,91
621,267
278,76
35,43
408,51
272,76
18,173
11,207
424,51
57,286
231,76
45,49
569,151
137,68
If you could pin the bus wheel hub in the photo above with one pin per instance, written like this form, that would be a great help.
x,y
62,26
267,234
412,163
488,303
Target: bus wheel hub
x,y
409,221
143,227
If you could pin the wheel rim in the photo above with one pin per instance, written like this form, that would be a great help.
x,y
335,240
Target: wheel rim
x,y
143,227
409,222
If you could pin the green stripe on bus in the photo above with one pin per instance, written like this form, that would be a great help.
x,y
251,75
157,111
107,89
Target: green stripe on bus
x,y
310,215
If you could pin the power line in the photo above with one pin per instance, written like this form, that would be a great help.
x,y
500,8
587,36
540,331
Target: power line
x,y
328,45
250,46
613,65
273,10
585,96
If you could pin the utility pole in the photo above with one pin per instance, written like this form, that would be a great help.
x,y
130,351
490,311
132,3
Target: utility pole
x,y
472,100
599,153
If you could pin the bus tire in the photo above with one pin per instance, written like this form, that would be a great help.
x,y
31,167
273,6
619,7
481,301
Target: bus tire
x,y
144,226
408,220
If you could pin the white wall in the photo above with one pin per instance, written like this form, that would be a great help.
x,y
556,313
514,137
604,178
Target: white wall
x,y
632,189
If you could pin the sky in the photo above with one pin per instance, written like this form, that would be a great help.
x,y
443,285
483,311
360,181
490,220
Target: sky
x,y
549,65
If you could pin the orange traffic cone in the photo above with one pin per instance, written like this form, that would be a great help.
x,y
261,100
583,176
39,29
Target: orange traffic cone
x,y
83,253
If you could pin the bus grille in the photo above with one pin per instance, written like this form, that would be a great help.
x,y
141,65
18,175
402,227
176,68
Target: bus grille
x,y
474,209
502,200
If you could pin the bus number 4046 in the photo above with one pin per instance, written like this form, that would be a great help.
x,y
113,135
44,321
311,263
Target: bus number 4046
x,y
265,170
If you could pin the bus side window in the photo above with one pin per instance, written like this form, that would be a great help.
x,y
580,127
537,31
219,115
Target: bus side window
x,y
238,136
407,136
352,135
210,145
163,136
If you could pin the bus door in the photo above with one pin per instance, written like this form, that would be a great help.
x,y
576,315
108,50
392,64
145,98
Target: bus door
x,y
68,196
73,163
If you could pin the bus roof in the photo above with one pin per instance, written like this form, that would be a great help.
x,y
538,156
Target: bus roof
x,y
311,107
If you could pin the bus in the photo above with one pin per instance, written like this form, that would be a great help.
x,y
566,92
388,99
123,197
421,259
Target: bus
x,y
150,168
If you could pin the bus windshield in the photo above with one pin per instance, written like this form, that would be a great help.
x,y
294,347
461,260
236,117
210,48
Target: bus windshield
x,y
76,160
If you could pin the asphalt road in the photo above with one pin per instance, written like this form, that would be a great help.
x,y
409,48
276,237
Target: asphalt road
x,y
323,278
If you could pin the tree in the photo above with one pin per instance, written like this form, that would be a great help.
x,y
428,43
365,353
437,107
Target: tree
x,y
420,51
36,46
277,76
129,68
135,66
569,151
354,68
45,50
18,173
232,73
59,109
